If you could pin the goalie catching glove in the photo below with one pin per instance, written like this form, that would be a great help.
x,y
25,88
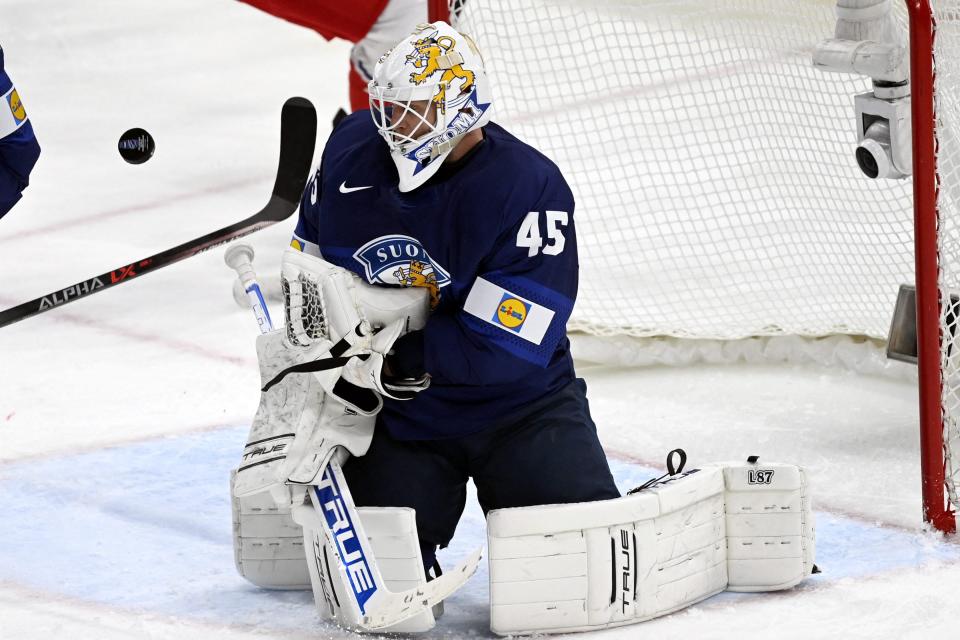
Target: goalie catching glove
x,y
337,332
349,327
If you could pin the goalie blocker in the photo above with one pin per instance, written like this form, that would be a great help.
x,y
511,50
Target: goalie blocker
x,y
579,567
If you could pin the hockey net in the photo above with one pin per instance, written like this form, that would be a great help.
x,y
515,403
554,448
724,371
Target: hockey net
x,y
717,194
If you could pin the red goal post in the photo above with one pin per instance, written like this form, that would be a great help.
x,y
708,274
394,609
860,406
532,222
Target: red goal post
x,y
935,436
718,197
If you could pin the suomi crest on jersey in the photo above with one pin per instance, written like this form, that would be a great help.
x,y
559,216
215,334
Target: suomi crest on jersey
x,y
401,260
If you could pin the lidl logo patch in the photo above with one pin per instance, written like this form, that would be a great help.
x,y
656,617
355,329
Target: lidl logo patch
x,y
16,107
507,311
511,312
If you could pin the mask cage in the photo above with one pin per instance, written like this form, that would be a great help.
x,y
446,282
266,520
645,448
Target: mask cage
x,y
390,108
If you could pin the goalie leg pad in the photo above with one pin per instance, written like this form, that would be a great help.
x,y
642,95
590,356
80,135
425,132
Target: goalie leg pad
x,y
392,534
269,552
585,566
770,527
600,564
267,543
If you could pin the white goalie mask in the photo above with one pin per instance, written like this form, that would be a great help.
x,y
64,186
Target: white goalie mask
x,y
426,93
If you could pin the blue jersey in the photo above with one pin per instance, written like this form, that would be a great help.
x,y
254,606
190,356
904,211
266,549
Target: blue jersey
x,y
18,146
492,238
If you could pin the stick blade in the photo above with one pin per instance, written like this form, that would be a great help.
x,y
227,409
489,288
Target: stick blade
x,y
298,138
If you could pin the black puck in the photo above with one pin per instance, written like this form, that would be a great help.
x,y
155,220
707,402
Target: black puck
x,y
136,146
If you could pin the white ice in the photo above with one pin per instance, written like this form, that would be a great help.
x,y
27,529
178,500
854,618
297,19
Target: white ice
x,y
121,414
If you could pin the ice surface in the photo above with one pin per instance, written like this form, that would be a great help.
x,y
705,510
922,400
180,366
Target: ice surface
x,y
121,414
145,527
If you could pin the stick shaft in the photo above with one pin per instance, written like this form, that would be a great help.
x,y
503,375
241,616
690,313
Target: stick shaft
x,y
298,133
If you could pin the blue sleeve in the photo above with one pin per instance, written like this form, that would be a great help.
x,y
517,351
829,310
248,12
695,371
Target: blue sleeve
x,y
19,149
306,237
511,322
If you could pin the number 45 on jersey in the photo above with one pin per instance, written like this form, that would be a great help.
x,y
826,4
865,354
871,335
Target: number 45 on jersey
x,y
529,234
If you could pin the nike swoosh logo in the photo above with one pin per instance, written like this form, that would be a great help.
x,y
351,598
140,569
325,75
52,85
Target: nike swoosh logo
x,y
345,189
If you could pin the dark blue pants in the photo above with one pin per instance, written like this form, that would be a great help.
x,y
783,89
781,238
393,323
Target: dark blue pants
x,y
550,455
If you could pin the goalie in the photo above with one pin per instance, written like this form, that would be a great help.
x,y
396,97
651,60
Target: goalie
x,y
429,194
427,289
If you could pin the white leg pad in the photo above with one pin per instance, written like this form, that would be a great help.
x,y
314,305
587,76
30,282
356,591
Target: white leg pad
x,y
269,552
770,527
585,566
267,543
392,533
601,564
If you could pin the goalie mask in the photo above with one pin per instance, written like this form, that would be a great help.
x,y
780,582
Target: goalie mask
x,y
426,93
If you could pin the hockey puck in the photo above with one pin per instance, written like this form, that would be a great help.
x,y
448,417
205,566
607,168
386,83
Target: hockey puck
x,y
136,146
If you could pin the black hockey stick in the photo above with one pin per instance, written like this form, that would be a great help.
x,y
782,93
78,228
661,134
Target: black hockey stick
x,y
298,136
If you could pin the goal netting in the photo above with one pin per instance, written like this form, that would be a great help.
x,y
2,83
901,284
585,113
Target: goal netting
x,y
717,193
713,166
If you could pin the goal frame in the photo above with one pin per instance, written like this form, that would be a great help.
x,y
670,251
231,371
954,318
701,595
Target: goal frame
x,y
937,510
922,29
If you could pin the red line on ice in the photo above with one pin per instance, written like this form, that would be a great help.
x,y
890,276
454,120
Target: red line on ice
x,y
74,449
153,623
183,346
122,211
170,343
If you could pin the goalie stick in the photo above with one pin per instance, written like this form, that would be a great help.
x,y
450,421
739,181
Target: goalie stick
x,y
298,136
377,606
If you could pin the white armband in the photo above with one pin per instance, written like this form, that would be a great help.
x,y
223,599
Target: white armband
x,y
577,567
